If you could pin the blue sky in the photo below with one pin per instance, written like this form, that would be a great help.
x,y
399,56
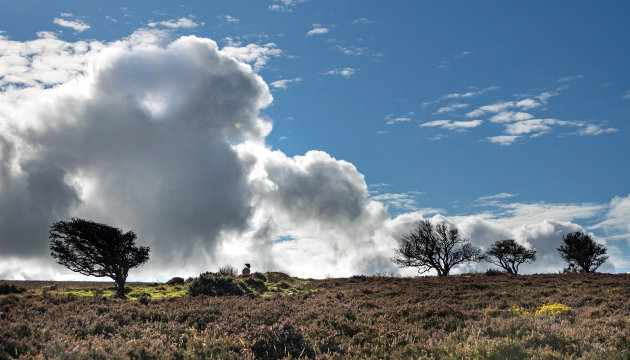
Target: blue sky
x,y
497,110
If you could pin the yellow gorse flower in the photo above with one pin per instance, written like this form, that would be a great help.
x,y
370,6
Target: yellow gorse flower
x,y
547,309
553,309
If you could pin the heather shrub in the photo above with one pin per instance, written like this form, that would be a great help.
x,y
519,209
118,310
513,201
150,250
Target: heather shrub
x,y
228,270
494,272
259,276
277,276
279,341
176,281
6,289
216,285
144,299
256,284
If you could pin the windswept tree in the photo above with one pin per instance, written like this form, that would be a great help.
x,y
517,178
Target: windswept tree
x,y
582,252
438,247
95,249
509,255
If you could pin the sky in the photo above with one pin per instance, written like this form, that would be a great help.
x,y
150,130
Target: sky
x,y
309,135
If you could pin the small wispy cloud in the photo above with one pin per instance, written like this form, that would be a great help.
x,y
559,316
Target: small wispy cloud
x,y
255,54
362,21
345,72
353,50
495,197
570,78
443,63
317,30
72,23
283,84
228,19
593,130
453,125
390,119
185,23
450,108
403,201
537,126
468,94
525,104
285,5
503,140
626,96
509,116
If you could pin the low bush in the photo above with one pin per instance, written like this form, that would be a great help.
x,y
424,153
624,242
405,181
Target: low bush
x,y
256,284
176,281
6,289
216,285
280,341
228,270
277,276
259,276
494,272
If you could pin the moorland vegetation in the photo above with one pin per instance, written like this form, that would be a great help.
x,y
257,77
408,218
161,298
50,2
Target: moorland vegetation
x,y
473,316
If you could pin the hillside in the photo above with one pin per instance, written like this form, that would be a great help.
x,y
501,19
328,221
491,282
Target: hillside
x,y
465,316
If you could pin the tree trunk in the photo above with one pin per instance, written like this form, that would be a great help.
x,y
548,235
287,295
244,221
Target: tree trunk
x,y
120,290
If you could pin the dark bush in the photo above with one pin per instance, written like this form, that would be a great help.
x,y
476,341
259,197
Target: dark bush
x,y
176,281
228,270
277,276
494,272
144,299
216,285
6,289
256,284
279,341
259,276
127,289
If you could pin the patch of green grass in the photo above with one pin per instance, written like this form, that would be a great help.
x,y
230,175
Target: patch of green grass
x,y
156,292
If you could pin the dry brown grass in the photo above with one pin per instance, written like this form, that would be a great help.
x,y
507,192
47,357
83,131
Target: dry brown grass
x,y
465,316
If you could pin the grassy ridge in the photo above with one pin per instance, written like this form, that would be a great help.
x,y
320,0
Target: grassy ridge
x,y
467,316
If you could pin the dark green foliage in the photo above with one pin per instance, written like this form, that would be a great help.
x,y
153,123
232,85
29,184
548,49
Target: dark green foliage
x,y
509,255
94,249
279,341
435,247
176,281
582,252
10,289
216,285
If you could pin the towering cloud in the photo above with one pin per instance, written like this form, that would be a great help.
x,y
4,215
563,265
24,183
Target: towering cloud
x,y
166,138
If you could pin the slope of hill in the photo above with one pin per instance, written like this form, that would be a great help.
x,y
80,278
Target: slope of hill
x,y
465,316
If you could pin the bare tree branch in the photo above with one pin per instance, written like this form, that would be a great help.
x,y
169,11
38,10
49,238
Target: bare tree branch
x,y
436,247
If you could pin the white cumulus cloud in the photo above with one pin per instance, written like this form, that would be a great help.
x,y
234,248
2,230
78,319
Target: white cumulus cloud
x,y
284,83
317,30
75,24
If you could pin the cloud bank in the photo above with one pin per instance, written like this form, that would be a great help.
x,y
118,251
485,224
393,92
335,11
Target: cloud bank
x,y
166,138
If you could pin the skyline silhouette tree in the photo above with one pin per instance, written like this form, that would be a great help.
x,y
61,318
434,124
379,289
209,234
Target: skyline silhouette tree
x,y
94,249
438,247
580,251
509,255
